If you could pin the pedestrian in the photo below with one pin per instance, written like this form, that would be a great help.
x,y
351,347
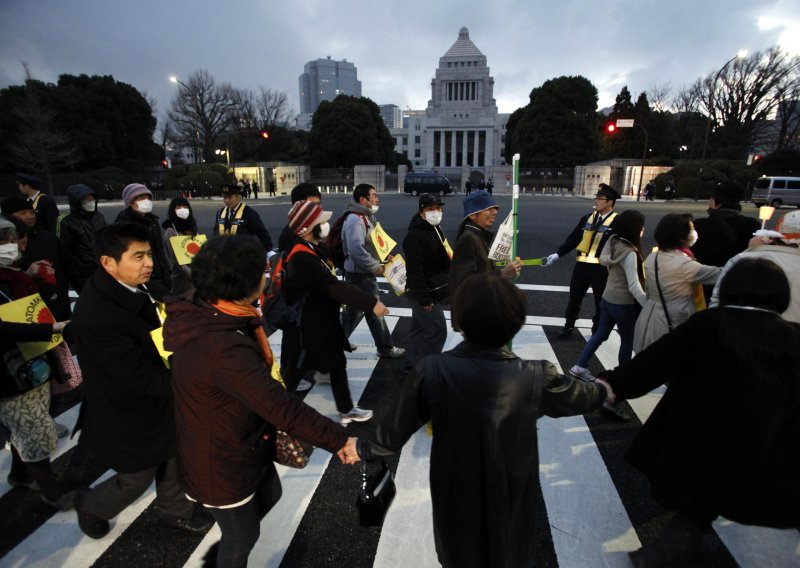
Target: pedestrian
x,y
362,267
127,418
722,441
138,209
236,218
247,188
669,191
474,239
649,191
255,189
468,187
490,186
180,222
428,258
589,237
483,402
24,388
77,227
43,205
227,405
319,342
272,188
673,280
301,192
781,246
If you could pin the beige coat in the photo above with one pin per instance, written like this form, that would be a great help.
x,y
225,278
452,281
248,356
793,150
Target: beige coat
x,y
677,274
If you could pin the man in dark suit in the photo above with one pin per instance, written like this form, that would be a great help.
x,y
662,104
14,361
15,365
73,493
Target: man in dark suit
x,y
44,205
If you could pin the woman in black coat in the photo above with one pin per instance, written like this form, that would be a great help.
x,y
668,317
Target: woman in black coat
x,y
725,438
484,401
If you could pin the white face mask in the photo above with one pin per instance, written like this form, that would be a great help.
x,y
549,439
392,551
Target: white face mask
x,y
692,240
89,206
324,230
182,212
373,209
8,254
144,206
433,217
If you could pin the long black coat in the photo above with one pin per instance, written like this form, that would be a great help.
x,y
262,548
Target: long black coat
x,y
720,441
484,403
722,235
127,416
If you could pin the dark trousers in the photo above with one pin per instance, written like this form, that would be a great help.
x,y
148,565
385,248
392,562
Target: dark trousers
x,y
110,497
339,385
428,332
351,317
585,275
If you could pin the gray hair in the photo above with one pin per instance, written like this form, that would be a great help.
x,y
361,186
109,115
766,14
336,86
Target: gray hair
x,y
7,230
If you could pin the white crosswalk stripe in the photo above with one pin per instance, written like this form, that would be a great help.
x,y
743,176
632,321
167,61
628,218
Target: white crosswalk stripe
x,y
589,523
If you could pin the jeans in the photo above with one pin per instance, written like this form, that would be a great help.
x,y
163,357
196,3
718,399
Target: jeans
x,y
624,315
428,332
351,316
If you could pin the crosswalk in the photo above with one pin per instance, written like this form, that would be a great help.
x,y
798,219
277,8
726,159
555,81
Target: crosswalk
x,y
594,509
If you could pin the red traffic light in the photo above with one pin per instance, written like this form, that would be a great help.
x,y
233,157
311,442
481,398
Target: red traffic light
x,y
611,128
264,134
756,158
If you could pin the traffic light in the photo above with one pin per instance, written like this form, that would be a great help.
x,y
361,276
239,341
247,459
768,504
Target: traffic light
x,y
610,128
264,134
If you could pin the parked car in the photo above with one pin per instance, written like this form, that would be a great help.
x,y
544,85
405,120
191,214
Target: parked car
x,y
777,191
416,184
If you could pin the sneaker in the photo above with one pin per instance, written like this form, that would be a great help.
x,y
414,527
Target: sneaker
x,y
581,373
356,415
322,378
393,353
92,526
304,386
61,430
29,482
565,332
352,347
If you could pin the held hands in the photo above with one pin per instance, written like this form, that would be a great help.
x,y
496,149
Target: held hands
x,y
380,309
348,454
59,326
610,396
551,259
512,269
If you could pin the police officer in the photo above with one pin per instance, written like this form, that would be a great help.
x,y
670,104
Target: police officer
x,y
44,205
236,218
588,237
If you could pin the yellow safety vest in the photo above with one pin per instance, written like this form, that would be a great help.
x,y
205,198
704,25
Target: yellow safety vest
x,y
587,249
237,220
36,200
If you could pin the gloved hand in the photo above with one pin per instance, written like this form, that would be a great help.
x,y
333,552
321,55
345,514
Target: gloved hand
x,y
551,259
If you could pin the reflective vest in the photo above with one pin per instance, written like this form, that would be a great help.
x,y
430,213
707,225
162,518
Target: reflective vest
x,y
226,228
587,249
36,200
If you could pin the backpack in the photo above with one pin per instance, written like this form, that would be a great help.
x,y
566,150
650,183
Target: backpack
x,y
334,241
276,312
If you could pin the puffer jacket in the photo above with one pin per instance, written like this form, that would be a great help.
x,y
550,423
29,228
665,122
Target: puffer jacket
x,y
76,230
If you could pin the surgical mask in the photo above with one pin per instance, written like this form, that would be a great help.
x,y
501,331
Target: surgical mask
x,y
8,254
89,206
692,240
373,209
433,217
182,212
324,230
144,206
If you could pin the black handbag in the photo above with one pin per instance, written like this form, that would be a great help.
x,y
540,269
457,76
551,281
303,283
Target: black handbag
x,y
376,493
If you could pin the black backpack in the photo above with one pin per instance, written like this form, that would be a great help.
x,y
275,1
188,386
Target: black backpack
x,y
276,312
334,241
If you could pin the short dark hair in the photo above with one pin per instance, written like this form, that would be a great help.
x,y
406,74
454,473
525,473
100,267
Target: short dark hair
x,y
672,230
362,190
488,309
113,240
303,191
629,225
228,267
755,282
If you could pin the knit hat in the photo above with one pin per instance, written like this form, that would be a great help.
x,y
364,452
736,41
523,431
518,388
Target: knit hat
x,y
305,215
789,227
428,199
15,202
28,179
478,201
728,194
133,191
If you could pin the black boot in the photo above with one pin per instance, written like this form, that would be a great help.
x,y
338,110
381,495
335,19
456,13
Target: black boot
x,y
679,537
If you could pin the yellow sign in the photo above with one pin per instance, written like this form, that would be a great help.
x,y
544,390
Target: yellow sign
x,y
383,243
157,335
30,309
447,249
186,247
395,274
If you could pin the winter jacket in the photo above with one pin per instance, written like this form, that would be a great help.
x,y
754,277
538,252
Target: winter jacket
x,y
76,230
127,416
721,235
359,253
470,254
160,282
484,473
623,285
724,439
44,245
426,258
226,402
677,274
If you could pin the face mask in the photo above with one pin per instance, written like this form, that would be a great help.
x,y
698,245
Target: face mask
x,y
144,206
433,217
182,212
8,254
692,238
89,206
373,209
324,230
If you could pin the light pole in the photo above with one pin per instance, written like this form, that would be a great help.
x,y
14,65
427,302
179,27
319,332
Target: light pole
x,y
174,79
644,157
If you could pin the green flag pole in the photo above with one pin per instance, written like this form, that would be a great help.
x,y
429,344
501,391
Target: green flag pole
x,y
515,215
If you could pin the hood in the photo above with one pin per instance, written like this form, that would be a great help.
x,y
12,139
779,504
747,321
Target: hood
x,y
418,222
358,208
615,250
77,192
188,318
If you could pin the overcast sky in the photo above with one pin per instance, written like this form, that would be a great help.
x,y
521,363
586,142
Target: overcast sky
x,y
395,44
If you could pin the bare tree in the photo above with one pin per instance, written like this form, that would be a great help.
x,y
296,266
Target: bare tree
x,y
272,107
787,117
658,95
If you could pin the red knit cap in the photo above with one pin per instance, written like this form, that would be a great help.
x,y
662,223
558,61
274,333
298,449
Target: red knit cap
x,y
305,215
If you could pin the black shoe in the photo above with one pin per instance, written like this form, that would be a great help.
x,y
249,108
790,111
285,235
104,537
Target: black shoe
x,y
92,526
614,412
63,503
565,332
199,523
28,482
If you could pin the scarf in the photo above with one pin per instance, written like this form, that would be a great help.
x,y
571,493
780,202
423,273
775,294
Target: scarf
x,y
236,310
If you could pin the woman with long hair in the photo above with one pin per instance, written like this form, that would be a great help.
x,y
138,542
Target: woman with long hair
x,y
180,222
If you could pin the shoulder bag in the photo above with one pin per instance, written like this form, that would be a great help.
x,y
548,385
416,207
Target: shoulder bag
x,y
661,295
377,491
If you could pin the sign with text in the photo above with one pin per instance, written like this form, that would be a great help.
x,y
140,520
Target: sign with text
x,y
624,123
185,247
31,309
383,243
395,274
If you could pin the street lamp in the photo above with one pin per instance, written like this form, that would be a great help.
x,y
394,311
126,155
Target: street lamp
x,y
226,153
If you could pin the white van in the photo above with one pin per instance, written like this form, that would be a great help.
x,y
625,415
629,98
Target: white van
x,y
777,191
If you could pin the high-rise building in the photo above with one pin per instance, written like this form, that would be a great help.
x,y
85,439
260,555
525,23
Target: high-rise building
x,y
391,116
324,79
